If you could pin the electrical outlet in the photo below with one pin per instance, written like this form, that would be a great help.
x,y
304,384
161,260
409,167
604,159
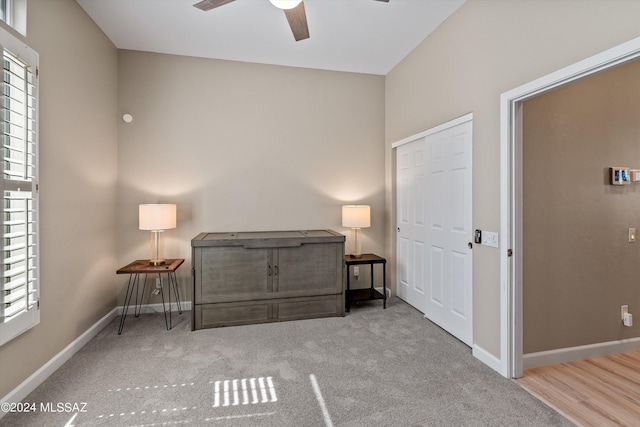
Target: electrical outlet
x,y
632,235
627,318
356,271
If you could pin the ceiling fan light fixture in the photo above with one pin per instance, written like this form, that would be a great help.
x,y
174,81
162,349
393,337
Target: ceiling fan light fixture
x,y
285,4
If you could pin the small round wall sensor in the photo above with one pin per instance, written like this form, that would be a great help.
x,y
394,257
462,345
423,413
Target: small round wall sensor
x,y
127,118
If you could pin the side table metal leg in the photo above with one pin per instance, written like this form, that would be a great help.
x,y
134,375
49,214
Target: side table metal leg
x,y
384,285
169,292
371,293
347,302
135,308
164,308
133,280
175,289
138,309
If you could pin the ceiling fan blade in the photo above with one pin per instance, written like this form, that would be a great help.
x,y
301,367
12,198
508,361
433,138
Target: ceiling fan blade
x,y
211,4
298,22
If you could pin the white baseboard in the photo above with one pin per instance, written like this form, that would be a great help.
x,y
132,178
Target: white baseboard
x,y
155,308
38,377
570,354
487,358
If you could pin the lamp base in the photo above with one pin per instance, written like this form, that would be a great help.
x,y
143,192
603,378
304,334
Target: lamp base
x,y
357,247
157,247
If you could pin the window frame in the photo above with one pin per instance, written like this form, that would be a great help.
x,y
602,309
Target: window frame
x,y
30,317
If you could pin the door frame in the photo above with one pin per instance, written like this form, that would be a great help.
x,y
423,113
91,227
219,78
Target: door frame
x,y
451,123
511,259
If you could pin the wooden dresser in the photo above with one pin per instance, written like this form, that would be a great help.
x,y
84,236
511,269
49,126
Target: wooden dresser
x,y
257,277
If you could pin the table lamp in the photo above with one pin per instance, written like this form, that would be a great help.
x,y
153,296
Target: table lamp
x,y
356,217
157,218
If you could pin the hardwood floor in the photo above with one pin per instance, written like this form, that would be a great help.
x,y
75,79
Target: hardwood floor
x,y
604,391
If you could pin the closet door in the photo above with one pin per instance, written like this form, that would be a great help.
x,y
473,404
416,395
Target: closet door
x,y
434,266
449,288
411,226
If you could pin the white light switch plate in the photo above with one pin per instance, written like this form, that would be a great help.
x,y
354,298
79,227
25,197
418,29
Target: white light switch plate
x,y
490,238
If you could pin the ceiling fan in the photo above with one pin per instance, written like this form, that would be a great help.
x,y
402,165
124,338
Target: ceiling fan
x,y
293,10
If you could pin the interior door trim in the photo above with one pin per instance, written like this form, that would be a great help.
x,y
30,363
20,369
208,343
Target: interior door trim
x,y
511,261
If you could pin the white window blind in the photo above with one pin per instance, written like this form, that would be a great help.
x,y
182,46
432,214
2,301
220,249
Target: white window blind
x,y
19,306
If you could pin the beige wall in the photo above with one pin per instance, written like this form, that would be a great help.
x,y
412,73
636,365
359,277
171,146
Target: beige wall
x,y
78,135
241,146
484,49
579,266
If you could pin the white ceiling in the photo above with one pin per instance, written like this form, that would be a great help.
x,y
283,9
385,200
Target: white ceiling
x,y
363,36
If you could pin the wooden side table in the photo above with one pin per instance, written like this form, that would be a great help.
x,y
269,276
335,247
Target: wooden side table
x,y
367,293
144,267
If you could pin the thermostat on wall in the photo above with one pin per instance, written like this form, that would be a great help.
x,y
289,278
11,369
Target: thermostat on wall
x,y
620,175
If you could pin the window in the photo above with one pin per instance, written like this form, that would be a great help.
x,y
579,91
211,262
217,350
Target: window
x,y
19,305
14,13
4,11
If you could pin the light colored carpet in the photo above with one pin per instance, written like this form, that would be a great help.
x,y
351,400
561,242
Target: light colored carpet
x,y
373,367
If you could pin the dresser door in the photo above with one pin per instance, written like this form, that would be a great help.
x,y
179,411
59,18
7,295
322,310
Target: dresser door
x,y
309,269
232,274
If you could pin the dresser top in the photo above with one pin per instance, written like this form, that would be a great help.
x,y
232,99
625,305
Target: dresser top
x,y
266,239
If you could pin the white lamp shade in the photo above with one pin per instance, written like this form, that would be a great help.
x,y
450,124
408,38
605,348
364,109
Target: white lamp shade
x,y
356,216
285,4
157,217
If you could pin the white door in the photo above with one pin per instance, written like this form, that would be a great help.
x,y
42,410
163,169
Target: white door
x,y
434,202
411,256
449,292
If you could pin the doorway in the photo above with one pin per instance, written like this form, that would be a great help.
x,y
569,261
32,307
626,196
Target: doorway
x,y
511,260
